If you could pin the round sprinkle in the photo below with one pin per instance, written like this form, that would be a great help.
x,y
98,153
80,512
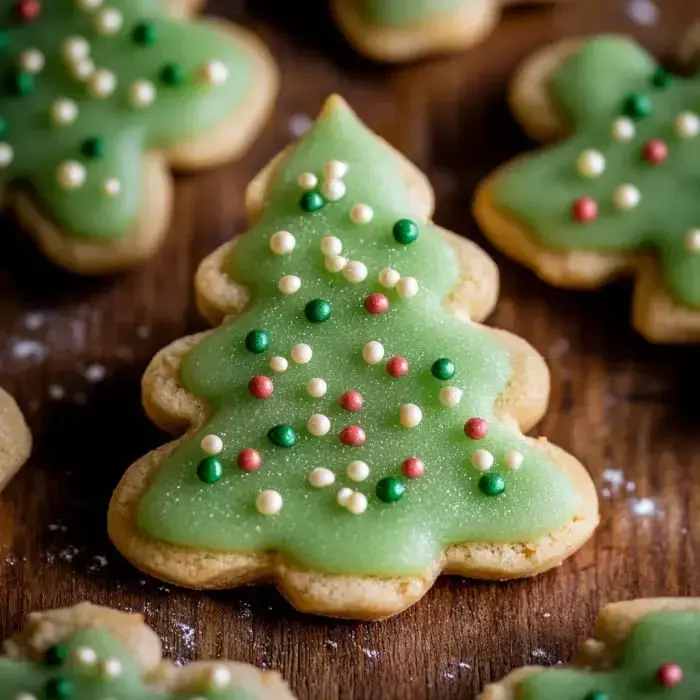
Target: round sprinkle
x,y
407,287
596,695
111,187
331,245
353,436
111,668
321,478
377,303
71,175
514,460
358,470
210,470
591,164
64,111
687,125
333,190
373,352
268,502
390,489
249,460
397,367
410,415
443,369
492,484
413,468
145,34
279,364
220,676
102,83
357,503
282,243
335,263
257,341
623,130
335,170
637,106
389,277
215,73
172,74
655,151
32,60
109,21
355,271
351,401
661,78
212,444
142,93
261,387
405,232
584,210
311,202
319,425
343,496
482,460
318,311
75,49
692,240
89,5
85,656
82,70
282,436
59,688
669,675
302,354
55,655
316,387
626,197
450,396
476,428
289,284
307,181
361,214
93,147
7,154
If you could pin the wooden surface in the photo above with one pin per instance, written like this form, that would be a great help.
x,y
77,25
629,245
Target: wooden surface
x,y
618,403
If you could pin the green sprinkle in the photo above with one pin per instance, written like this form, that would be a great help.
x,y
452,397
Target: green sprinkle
x,y
661,78
56,655
390,490
210,470
172,74
94,147
596,695
3,126
405,231
257,341
282,436
443,369
492,484
59,688
20,83
145,33
311,202
637,105
318,310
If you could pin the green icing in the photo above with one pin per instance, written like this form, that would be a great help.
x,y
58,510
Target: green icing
x,y
42,681
169,53
593,89
659,638
396,13
443,507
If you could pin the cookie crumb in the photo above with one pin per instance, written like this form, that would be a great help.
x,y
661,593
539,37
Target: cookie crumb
x,y
644,507
299,124
643,12
143,332
95,373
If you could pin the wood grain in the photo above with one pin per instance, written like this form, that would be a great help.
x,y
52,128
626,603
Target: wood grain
x,y
618,403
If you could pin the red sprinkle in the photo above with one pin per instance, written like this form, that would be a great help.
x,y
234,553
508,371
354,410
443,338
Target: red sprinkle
x,y
261,387
397,366
28,10
413,467
584,210
476,428
655,151
377,303
249,460
353,435
351,400
669,675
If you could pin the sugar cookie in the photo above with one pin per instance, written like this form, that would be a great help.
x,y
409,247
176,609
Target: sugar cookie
x,y
15,439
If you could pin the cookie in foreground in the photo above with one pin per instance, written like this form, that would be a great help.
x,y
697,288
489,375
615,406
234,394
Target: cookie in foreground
x,y
15,438
101,100
351,430
642,650
88,652
403,30
614,196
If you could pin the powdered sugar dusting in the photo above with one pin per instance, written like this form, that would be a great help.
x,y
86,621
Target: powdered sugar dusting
x,y
645,507
299,124
372,654
643,12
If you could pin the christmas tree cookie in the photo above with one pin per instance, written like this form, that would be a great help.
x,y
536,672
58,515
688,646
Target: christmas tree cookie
x,y
15,439
92,653
642,650
615,196
351,431
99,99
403,30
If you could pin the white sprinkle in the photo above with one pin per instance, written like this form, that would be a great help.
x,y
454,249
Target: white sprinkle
x,y
514,460
355,271
356,503
316,387
335,263
389,277
102,83
687,125
482,460
623,129
111,187
82,70
88,5
591,164
220,676
32,60
373,352
318,425
450,396
407,287
692,240
307,181
75,49
331,245
95,373
279,364
282,243
361,214
333,190
626,197
410,415
109,21
142,93
215,73
335,170
321,478
71,175
358,470
343,496
289,284
269,502
212,444
302,354
7,154
85,656
111,668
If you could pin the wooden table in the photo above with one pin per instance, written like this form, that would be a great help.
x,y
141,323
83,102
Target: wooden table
x,y
627,409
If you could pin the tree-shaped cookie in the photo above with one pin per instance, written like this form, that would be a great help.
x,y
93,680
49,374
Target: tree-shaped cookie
x,y
15,439
351,431
403,30
92,653
98,98
642,650
617,195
